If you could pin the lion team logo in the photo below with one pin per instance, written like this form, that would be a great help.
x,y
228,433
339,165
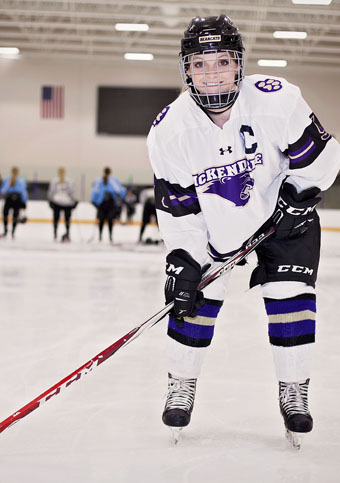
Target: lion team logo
x,y
269,85
233,182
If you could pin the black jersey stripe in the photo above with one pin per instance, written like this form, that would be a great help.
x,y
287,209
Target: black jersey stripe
x,y
308,147
176,200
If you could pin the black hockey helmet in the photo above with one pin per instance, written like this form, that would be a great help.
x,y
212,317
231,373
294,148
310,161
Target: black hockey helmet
x,y
209,35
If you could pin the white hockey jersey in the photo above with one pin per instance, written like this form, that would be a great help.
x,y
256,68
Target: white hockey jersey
x,y
219,186
62,194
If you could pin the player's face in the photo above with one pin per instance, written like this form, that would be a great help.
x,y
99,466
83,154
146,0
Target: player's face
x,y
213,73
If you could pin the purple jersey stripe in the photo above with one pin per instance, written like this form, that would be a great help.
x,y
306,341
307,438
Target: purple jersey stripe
x,y
189,199
300,150
303,152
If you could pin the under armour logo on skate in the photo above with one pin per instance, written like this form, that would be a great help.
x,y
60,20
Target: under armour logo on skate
x,y
228,150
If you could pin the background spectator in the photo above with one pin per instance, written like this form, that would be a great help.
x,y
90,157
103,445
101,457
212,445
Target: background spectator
x,y
61,197
147,199
107,195
14,189
130,203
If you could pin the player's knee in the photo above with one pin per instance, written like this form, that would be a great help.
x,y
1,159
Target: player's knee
x,y
279,290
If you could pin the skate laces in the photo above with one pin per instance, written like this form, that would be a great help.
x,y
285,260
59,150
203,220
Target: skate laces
x,y
294,397
181,393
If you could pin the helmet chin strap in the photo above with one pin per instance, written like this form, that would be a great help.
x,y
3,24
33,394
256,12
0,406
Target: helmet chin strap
x,y
213,111
206,108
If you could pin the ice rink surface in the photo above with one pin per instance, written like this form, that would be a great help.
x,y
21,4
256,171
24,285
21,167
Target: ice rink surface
x,y
62,304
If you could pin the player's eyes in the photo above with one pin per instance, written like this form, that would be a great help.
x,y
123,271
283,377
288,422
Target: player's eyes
x,y
199,64
223,62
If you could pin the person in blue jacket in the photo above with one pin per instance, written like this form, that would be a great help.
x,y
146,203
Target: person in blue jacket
x,y
107,195
14,189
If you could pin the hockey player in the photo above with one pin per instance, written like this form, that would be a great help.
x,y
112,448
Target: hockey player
x,y
14,189
233,155
147,200
107,194
61,197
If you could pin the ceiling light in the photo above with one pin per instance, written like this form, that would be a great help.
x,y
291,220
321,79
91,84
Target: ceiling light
x,y
271,63
9,51
312,2
132,27
137,56
288,34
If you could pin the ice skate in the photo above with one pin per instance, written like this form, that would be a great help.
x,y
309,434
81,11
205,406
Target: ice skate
x,y
179,404
65,238
298,421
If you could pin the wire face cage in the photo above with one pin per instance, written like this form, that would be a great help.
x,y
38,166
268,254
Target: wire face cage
x,y
213,77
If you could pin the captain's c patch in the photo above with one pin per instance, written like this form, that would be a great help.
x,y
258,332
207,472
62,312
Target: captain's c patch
x,y
269,85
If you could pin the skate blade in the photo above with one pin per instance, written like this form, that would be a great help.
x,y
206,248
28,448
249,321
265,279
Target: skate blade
x,y
176,434
295,439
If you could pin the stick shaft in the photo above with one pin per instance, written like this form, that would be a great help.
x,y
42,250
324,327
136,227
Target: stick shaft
x,y
208,278
83,370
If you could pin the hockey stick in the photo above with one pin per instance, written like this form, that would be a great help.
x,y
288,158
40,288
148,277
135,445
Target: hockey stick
x,y
209,277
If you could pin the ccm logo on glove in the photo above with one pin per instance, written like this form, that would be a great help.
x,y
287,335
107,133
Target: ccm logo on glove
x,y
294,212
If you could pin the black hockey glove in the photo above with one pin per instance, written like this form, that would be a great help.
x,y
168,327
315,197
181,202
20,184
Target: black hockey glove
x,y
294,212
183,277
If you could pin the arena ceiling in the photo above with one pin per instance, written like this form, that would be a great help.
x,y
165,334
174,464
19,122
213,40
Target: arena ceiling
x,y
85,29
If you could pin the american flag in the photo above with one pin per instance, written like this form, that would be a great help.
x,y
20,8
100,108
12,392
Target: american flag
x,y
52,102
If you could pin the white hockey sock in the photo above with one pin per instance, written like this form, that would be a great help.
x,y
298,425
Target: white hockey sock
x,y
293,363
184,361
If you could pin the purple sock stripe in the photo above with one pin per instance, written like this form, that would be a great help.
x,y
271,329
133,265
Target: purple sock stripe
x,y
289,306
193,331
208,310
292,329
